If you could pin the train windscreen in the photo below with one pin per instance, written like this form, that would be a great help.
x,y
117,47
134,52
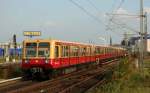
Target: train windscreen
x,y
31,49
44,49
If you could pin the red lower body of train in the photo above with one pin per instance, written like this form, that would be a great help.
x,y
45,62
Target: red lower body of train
x,y
38,67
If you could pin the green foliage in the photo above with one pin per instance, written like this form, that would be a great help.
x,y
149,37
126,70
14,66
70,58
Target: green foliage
x,y
2,59
136,79
17,71
127,80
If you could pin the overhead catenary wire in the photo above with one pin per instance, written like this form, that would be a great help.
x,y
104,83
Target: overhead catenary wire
x,y
112,17
129,15
120,4
98,10
116,23
88,13
97,18
93,5
123,25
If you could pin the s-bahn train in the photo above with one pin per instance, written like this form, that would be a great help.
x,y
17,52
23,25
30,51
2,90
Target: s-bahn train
x,y
43,58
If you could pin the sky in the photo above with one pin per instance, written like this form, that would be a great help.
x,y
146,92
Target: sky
x,y
63,20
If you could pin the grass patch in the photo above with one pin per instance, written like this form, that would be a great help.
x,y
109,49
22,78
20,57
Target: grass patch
x,y
127,79
2,59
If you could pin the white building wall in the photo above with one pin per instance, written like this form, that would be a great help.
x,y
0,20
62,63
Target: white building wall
x,y
148,45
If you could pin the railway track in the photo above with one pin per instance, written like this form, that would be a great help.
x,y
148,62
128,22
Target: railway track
x,y
14,84
10,81
88,83
81,81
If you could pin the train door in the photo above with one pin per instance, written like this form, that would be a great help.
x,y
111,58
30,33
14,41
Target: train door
x,y
57,55
93,54
88,54
82,54
64,55
74,57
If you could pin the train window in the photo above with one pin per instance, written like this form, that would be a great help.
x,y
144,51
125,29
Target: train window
x,y
83,51
44,49
56,51
88,51
101,50
104,50
30,50
93,51
65,51
74,51
31,45
44,45
62,51
77,51
97,50
109,50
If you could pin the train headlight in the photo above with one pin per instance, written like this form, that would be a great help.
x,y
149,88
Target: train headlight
x,y
26,61
46,61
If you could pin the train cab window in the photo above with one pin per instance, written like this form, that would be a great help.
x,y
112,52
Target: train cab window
x,y
44,49
31,45
44,45
56,51
30,49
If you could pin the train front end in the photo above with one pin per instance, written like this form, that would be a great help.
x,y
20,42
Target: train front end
x,y
36,58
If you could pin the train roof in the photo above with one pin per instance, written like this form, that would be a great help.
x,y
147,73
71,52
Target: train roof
x,y
68,42
62,41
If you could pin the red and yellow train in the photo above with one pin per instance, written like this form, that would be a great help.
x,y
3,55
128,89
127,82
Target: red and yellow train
x,y
43,57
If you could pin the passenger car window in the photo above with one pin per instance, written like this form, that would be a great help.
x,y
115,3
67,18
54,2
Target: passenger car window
x,y
56,51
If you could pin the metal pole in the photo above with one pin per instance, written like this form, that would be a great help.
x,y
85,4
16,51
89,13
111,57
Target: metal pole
x,y
141,36
145,31
110,41
126,39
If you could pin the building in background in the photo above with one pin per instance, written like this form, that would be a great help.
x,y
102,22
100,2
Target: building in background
x,y
8,52
133,44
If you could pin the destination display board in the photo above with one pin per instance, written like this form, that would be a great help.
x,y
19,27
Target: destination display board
x,y
32,33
